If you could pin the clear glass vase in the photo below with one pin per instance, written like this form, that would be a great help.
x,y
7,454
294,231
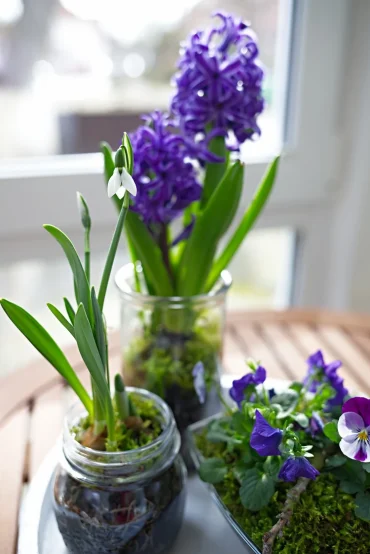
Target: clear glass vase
x,y
121,502
163,338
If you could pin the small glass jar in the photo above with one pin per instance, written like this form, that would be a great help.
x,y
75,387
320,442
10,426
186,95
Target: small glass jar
x,y
121,502
163,338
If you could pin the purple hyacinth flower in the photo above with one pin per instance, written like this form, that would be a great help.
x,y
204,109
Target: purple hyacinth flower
x,y
239,385
164,171
319,372
219,83
265,439
354,429
199,381
293,468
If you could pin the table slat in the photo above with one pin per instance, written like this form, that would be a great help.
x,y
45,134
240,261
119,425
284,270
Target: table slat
x,y
349,354
13,441
254,346
233,356
286,349
46,425
310,340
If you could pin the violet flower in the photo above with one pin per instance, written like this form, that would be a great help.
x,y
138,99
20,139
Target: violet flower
x,y
239,385
199,382
354,428
319,372
166,179
219,83
293,468
265,439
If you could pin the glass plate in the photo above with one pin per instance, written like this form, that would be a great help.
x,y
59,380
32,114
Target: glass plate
x,y
197,458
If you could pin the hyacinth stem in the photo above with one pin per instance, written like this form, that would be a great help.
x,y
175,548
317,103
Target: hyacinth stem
x,y
214,170
293,497
163,245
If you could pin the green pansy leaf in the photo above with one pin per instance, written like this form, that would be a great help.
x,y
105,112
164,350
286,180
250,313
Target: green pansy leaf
x,y
366,466
331,431
256,490
336,461
363,506
297,387
350,487
272,466
212,470
301,419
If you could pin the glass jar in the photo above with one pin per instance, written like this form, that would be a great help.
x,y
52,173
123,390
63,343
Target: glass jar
x,y
121,502
163,338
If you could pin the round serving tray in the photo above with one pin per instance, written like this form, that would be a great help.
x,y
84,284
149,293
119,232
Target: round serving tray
x,y
204,530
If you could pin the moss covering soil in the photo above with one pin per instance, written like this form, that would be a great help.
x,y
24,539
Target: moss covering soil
x,y
323,521
135,432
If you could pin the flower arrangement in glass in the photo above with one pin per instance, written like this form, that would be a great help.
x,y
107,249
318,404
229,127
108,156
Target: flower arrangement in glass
x,y
119,487
187,168
291,468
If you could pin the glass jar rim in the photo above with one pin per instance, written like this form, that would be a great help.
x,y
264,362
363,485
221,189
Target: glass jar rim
x,y
123,275
125,464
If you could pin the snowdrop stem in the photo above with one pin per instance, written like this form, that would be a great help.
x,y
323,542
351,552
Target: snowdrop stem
x,y
112,251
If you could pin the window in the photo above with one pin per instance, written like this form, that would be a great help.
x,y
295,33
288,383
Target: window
x,y
74,72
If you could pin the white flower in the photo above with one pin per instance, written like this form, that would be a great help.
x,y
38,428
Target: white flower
x,y
121,181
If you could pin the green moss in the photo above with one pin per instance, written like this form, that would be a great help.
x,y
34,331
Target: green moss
x,y
323,521
141,430
159,360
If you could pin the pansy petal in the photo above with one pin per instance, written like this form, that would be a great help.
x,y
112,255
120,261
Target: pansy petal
x,y
360,406
128,182
114,183
349,423
356,450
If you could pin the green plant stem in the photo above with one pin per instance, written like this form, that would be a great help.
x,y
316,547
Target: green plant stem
x,y
163,245
112,251
214,170
121,398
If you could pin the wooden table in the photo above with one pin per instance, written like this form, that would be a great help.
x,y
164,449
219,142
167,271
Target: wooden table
x,y
33,399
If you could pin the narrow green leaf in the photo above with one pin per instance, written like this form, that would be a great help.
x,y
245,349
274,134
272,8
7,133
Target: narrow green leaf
x,y
256,490
112,252
247,222
70,311
350,487
149,255
60,317
212,470
331,431
46,345
99,332
90,355
209,227
214,171
108,161
121,398
82,286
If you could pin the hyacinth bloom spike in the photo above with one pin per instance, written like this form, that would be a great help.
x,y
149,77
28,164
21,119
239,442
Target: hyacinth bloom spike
x,y
354,429
219,83
265,439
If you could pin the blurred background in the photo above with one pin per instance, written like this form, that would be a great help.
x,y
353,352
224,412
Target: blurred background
x,y
75,72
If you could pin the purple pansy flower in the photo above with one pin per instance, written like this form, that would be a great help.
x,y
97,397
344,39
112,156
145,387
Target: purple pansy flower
x,y
293,468
166,178
354,428
319,371
199,381
219,83
316,424
265,439
239,385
